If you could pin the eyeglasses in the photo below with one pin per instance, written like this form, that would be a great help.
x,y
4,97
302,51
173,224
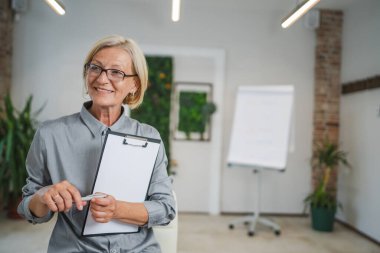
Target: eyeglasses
x,y
115,75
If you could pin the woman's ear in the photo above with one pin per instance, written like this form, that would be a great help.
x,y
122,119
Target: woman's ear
x,y
85,87
133,91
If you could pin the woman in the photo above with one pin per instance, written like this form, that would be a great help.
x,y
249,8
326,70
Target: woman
x,y
64,154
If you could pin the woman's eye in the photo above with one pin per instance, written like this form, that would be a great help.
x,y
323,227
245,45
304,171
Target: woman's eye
x,y
116,72
94,68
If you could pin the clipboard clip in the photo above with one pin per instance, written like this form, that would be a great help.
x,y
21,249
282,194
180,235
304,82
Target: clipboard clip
x,y
135,141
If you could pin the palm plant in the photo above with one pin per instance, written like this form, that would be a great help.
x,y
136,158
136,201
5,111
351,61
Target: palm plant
x,y
17,129
327,158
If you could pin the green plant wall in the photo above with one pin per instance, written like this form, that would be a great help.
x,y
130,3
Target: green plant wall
x,y
190,113
155,110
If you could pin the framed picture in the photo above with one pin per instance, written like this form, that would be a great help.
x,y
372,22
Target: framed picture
x,y
192,109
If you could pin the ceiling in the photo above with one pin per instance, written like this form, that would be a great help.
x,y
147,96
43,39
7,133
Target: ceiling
x,y
336,4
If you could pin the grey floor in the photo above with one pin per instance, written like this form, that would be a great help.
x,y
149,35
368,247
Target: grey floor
x,y
204,233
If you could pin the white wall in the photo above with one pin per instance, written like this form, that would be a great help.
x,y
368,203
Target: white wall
x,y
266,54
194,159
359,190
49,52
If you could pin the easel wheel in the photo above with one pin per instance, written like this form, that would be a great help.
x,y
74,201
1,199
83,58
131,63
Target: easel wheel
x,y
277,232
231,226
251,233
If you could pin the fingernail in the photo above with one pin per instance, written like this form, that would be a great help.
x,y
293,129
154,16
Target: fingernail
x,y
80,208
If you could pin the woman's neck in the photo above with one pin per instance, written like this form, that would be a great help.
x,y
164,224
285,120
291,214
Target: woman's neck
x,y
106,115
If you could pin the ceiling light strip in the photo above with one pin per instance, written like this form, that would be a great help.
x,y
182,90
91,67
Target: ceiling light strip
x,y
56,6
176,5
298,12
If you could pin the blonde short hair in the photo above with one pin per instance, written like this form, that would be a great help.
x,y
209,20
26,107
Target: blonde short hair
x,y
138,59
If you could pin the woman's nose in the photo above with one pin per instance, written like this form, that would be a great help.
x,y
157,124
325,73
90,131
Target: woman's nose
x,y
103,76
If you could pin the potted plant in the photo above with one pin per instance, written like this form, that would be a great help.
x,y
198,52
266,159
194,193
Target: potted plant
x,y
322,200
17,129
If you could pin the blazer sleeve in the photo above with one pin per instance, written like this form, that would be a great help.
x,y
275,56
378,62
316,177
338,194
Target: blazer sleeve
x,y
160,203
38,177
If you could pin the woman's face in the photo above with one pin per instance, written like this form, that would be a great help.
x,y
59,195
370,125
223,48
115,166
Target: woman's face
x,y
103,91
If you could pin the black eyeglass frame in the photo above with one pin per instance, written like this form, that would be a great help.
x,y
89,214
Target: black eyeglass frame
x,y
87,66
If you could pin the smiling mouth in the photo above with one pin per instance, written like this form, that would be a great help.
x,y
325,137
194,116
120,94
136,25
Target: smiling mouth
x,y
103,90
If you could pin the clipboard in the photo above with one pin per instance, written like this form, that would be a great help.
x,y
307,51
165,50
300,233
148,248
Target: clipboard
x,y
124,171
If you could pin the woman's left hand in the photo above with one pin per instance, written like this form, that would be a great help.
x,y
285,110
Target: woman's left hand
x,y
103,209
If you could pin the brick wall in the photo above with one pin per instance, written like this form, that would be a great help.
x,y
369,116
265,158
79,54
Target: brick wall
x,y
6,33
327,87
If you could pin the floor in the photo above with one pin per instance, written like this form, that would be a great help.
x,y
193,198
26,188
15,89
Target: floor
x,y
202,234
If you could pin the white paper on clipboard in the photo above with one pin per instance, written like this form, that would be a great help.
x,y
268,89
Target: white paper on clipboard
x,y
124,171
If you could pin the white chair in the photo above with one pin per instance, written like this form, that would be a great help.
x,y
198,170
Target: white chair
x,y
167,235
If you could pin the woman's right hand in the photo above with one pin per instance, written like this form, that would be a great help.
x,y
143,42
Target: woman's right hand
x,y
60,197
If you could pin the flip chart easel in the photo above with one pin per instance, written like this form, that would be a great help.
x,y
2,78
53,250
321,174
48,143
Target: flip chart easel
x,y
260,138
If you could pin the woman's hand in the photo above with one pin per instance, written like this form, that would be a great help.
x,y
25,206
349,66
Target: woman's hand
x,y
61,197
103,209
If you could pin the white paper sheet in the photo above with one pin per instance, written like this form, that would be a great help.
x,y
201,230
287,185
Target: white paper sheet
x,y
261,127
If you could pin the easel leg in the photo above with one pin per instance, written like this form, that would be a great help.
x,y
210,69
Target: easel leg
x,y
252,220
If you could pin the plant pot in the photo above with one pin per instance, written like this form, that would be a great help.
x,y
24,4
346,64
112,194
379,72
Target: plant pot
x,y
322,219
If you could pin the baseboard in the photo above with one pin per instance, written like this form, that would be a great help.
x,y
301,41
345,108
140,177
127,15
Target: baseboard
x,y
352,228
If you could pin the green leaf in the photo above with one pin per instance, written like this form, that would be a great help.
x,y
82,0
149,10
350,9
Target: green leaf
x,y
9,142
16,134
327,157
9,110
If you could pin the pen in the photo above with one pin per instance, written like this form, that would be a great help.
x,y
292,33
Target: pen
x,y
95,195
